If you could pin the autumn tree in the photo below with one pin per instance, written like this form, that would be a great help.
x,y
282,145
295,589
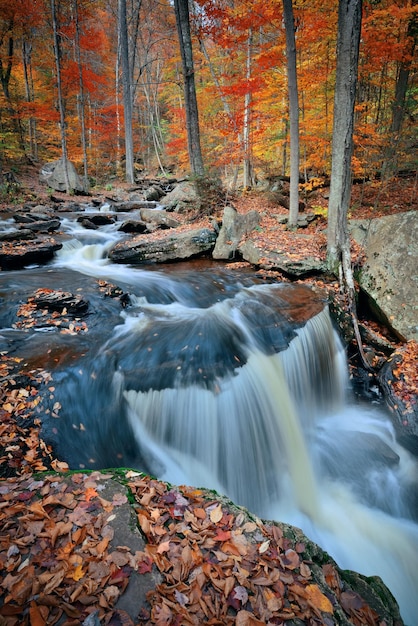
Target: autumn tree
x,y
181,8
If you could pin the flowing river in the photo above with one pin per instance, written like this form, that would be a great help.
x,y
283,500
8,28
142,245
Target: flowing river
x,y
214,378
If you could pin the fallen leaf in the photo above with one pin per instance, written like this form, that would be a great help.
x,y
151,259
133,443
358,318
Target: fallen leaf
x,y
216,514
316,598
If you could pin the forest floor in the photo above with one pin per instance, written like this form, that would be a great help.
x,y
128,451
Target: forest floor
x,y
23,453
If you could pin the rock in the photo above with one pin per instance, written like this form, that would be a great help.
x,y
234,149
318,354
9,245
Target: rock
x,y
387,277
133,226
159,217
234,227
157,551
52,174
126,206
404,409
17,255
183,193
87,224
44,226
153,193
280,261
17,235
173,247
100,219
59,300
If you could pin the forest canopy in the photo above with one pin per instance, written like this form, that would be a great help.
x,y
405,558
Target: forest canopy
x,y
239,52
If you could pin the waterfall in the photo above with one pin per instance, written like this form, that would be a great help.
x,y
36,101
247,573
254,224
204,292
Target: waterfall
x,y
243,388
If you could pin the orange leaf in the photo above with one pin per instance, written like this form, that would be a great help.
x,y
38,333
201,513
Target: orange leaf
x,y
90,493
78,573
316,598
35,615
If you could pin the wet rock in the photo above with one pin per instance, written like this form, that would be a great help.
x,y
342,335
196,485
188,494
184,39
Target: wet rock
x,y
133,226
17,255
23,234
100,219
44,226
60,300
403,407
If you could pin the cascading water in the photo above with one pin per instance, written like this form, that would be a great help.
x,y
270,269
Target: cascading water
x,y
211,379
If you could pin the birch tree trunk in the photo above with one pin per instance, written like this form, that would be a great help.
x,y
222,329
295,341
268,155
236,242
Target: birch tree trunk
x,y
127,90
292,84
181,8
247,118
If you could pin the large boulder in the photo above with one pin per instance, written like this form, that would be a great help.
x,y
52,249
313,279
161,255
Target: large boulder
x,y
53,175
118,547
388,276
182,195
234,227
172,247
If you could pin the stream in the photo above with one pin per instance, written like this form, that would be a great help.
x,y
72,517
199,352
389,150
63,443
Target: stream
x,y
213,378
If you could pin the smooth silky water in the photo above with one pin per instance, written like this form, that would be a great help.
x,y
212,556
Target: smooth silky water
x,y
215,380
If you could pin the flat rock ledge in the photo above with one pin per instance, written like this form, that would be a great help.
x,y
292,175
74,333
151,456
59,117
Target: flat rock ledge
x,y
170,247
119,547
18,254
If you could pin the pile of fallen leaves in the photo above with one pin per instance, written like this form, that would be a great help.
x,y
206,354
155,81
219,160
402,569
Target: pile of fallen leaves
x,y
22,450
402,379
205,561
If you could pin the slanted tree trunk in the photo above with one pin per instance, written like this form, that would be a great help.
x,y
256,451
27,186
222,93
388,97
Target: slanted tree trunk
x,y
181,8
338,240
292,83
29,92
127,90
61,105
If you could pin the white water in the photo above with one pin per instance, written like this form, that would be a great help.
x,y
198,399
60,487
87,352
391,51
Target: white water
x,y
277,434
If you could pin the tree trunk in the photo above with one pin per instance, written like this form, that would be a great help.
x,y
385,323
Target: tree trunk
x,y
292,84
5,76
127,91
398,107
192,115
348,42
338,241
61,106
81,96
29,92
247,119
